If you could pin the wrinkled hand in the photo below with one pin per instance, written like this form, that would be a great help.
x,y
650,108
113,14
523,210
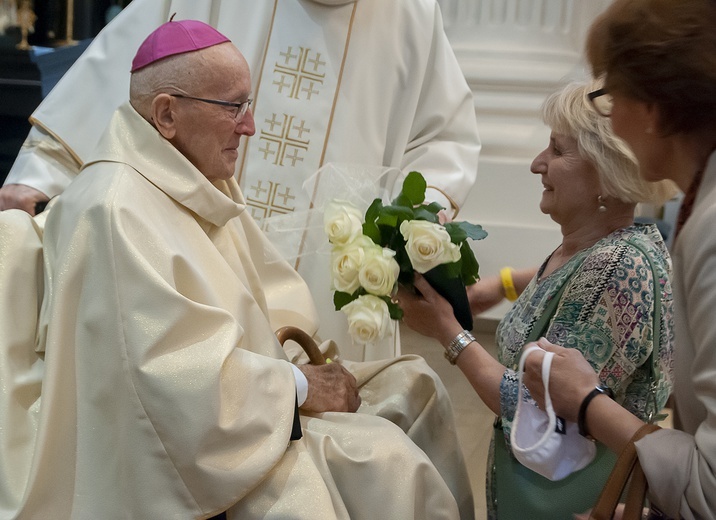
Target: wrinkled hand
x,y
570,380
331,388
427,312
19,196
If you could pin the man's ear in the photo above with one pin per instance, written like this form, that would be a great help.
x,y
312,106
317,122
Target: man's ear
x,y
162,115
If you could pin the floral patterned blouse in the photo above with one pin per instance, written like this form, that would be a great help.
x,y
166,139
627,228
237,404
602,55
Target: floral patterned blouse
x,y
606,311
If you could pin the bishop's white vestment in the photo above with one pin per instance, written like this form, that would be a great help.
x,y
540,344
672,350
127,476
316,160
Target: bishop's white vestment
x,y
164,393
370,82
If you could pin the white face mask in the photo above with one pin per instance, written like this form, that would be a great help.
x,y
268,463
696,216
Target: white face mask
x,y
540,440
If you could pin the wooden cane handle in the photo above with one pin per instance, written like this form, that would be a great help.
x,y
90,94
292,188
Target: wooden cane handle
x,y
302,338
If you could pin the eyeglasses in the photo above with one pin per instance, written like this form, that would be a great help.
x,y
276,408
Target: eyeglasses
x,y
602,101
241,108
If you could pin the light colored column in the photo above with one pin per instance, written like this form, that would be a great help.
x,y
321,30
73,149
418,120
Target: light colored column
x,y
514,53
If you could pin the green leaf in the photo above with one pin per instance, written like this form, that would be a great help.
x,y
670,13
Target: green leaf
x,y
371,230
424,213
396,313
341,299
401,200
392,216
457,233
402,212
387,219
373,210
453,269
473,231
470,270
434,207
414,188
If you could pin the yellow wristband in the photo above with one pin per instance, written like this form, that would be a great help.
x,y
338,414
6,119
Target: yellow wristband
x,y
508,284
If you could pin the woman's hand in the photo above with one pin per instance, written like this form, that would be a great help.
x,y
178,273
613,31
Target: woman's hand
x,y
571,379
428,313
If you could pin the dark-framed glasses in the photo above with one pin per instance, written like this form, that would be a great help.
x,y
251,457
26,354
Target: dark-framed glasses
x,y
239,109
602,101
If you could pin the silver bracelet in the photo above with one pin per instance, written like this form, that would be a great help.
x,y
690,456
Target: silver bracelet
x,y
457,345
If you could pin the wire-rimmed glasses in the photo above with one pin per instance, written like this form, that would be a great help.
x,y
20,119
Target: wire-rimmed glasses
x,y
602,101
241,108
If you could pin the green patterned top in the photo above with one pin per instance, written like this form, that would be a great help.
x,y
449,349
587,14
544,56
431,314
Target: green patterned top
x,y
606,311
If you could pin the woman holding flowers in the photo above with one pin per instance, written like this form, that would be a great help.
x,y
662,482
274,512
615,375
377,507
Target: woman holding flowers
x,y
595,293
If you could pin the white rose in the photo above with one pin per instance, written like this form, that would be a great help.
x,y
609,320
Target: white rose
x,y
379,271
346,262
368,319
428,245
342,222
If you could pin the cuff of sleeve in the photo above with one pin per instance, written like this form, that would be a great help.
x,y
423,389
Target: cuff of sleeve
x,y
301,384
42,164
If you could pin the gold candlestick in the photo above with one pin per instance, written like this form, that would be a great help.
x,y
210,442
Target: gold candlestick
x,y
26,19
70,24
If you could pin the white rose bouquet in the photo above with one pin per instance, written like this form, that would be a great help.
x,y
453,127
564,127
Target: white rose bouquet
x,y
372,254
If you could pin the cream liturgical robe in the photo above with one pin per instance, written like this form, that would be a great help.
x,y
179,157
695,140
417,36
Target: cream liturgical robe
x,y
164,391
369,82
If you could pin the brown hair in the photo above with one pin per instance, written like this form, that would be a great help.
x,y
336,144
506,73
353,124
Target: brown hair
x,y
661,52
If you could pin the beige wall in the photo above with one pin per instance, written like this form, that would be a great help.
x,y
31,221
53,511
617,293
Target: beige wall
x,y
514,53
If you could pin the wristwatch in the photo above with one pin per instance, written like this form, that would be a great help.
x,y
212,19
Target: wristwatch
x,y
582,416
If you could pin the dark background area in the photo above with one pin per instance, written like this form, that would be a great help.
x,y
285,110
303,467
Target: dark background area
x,y
27,76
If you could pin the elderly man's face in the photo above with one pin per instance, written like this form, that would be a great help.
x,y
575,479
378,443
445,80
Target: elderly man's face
x,y
209,134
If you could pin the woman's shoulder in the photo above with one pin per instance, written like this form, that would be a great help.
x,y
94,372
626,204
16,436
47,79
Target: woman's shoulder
x,y
624,262
642,241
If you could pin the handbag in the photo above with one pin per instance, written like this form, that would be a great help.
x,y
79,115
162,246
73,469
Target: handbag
x,y
520,492
523,494
626,469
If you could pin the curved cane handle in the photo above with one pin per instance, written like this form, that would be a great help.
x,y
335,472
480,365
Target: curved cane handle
x,y
302,338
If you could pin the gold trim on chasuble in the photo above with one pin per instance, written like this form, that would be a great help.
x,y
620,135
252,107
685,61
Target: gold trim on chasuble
x,y
294,103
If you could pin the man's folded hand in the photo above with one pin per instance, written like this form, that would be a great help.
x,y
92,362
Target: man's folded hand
x,y
331,388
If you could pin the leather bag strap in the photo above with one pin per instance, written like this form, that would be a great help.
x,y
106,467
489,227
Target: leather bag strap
x,y
627,465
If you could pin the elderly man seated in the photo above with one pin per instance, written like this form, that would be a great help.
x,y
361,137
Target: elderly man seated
x,y
165,393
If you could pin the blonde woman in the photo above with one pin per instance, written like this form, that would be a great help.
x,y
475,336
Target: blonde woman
x,y
600,277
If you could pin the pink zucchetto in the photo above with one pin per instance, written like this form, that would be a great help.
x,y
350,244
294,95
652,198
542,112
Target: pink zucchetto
x,y
176,38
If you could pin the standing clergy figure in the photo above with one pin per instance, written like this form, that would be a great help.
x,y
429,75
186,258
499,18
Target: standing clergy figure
x,y
165,393
335,81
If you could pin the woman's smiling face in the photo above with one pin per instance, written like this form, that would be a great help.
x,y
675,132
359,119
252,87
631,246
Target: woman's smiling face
x,y
571,183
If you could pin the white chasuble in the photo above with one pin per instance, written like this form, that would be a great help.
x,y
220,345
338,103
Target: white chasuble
x,y
294,104
369,82
164,391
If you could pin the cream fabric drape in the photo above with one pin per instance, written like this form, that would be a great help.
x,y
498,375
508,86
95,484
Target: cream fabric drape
x,y
164,391
21,367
